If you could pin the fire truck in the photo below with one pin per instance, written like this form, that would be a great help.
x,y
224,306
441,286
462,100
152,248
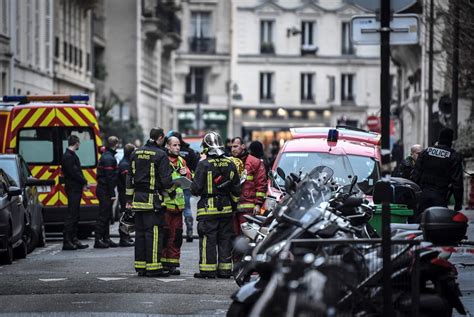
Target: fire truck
x,y
37,127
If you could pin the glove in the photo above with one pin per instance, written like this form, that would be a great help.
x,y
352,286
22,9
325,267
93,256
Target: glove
x,y
256,210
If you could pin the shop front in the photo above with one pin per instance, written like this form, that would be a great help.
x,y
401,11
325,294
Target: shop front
x,y
189,124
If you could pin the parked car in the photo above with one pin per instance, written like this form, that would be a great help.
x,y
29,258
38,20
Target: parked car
x,y
310,148
13,221
31,189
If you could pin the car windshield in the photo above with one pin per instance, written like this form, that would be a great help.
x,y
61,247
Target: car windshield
x,y
10,167
365,168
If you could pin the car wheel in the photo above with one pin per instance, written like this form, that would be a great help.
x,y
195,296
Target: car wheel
x,y
31,239
21,251
7,256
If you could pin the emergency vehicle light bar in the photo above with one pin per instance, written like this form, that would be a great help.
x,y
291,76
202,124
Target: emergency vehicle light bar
x,y
343,134
52,98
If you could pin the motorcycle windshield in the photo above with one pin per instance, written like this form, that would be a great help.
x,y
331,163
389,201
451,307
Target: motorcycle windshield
x,y
315,188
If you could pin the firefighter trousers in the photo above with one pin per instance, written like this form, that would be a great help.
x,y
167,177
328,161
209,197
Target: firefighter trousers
x,y
149,240
215,245
173,239
72,217
102,227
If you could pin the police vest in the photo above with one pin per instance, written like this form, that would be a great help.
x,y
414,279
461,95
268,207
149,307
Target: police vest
x,y
177,203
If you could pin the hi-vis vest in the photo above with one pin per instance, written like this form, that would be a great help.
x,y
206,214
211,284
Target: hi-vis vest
x,y
177,203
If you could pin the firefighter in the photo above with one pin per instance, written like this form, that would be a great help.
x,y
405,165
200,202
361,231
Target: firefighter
x,y
217,183
174,209
254,184
191,159
148,178
123,167
106,183
439,173
75,183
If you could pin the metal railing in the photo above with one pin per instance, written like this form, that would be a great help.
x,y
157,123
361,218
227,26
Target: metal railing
x,y
202,45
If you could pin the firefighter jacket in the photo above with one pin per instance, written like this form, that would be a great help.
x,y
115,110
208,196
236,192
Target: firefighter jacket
x,y
123,168
217,182
190,156
107,172
255,185
149,176
71,167
440,168
177,203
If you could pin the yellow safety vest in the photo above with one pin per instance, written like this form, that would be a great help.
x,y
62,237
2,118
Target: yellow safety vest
x,y
177,203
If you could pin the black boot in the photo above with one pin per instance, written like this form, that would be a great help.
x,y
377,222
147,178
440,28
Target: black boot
x,y
68,244
205,275
110,243
189,229
100,243
79,245
126,243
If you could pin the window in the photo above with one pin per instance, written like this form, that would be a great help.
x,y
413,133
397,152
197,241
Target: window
x,y
36,145
87,150
65,50
9,164
195,85
266,89
308,35
88,61
347,46
332,88
307,87
347,87
201,40
200,24
71,53
266,37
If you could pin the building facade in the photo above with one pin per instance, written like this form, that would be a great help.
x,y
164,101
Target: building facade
x,y
202,68
141,36
300,69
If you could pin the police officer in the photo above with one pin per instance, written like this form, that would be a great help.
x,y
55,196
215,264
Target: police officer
x,y
123,167
174,209
191,159
406,166
106,182
148,178
217,183
75,183
439,173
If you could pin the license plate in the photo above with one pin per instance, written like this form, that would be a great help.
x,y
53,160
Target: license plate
x,y
44,189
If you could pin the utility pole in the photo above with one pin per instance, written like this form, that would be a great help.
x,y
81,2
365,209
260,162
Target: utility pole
x,y
455,79
430,75
385,17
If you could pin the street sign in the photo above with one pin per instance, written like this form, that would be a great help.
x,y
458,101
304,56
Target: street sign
x,y
374,5
405,29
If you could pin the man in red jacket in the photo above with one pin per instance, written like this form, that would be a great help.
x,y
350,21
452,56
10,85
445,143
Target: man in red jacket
x,y
254,187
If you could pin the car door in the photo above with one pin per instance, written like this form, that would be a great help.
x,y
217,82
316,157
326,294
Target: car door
x,y
15,205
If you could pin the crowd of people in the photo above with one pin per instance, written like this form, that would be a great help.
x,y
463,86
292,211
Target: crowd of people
x,y
154,184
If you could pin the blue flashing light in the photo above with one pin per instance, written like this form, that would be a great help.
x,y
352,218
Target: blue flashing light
x,y
82,97
22,99
333,135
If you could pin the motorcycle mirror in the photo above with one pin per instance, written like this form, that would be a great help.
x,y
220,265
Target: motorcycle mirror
x,y
288,184
241,245
281,173
353,182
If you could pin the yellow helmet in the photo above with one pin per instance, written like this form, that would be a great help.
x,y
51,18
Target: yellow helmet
x,y
238,164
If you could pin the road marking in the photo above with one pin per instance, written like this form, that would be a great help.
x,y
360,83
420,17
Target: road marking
x,y
52,279
147,303
167,280
107,279
83,302
214,301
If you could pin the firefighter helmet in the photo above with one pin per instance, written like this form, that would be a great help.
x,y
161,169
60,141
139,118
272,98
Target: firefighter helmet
x,y
212,144
127,222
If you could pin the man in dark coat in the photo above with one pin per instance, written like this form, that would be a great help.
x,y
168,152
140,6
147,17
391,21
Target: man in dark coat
x,y
75,183
123,167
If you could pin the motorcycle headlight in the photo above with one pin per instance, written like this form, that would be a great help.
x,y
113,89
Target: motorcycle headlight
x,y
270,203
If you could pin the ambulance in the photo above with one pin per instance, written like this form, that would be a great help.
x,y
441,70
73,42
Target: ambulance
x,y
37,127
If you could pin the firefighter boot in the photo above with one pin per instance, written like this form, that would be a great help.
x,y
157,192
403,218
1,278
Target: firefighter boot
x,y
99,242
189,229
107,239
68,244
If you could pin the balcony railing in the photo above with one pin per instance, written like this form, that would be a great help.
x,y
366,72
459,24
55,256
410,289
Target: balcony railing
x,y
195,98
267,48
202,45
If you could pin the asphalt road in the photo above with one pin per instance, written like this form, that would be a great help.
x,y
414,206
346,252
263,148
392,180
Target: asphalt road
x,y
95,282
